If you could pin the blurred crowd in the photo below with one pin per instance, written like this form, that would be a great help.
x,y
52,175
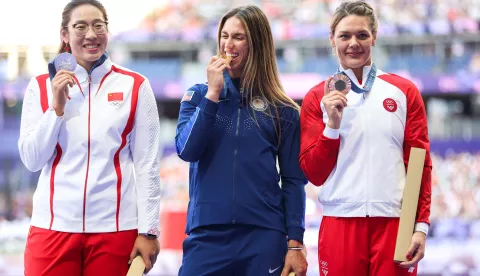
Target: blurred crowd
x,y
196,20
456,186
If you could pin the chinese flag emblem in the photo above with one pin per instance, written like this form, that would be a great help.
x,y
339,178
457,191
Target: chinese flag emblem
x,y
115,96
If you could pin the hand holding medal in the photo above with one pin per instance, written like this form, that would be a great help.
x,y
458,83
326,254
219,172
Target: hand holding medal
x,y
65,64
335,100
215,76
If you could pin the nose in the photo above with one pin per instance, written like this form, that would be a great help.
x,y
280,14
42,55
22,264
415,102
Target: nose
x,y
90,33
229,43
353,42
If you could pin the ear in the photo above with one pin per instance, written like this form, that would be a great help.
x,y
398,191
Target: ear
x,y
332,41
64,35
374,39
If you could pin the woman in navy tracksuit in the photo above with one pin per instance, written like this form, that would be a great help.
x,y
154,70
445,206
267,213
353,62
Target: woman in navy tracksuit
x,y
233,130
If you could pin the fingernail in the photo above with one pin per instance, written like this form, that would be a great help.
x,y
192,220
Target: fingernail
x,y
408,257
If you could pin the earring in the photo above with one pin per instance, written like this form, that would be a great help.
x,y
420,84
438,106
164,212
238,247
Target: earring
x,y
67,48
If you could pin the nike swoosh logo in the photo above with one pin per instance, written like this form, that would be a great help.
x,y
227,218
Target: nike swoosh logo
x,y
270,270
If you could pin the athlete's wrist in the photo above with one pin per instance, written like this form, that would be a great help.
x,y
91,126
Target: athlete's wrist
x,y
213,96
148,236
333,125
294,243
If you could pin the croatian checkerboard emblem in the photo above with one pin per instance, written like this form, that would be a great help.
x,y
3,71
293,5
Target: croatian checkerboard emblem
x,y
115,99
258,103
390,105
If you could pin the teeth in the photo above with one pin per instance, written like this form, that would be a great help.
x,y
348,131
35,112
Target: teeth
x,y
231,55
91,46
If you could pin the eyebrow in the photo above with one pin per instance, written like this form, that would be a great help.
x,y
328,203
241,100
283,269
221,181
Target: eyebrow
x,y
234,34
85,22
348,32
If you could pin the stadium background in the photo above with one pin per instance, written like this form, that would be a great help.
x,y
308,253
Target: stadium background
x,y
435,43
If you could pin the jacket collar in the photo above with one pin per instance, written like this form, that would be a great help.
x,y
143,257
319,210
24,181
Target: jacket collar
x,y
351,75
103,64
227,85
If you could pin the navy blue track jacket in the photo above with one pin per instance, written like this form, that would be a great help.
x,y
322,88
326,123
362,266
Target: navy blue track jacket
x,y
232,148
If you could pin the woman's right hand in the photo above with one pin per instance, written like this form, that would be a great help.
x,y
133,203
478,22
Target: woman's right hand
x,y
334,103
215,77
60,82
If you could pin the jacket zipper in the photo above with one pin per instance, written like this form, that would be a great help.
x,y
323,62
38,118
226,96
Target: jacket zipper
x,y
235,163
367,174
88,154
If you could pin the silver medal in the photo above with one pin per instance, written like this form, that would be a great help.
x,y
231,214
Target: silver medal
x,y
65,61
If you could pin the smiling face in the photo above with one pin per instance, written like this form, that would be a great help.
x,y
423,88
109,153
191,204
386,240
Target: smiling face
x,y
353,40
91,46
234,43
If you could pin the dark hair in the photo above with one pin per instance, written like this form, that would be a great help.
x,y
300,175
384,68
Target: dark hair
x,y
359,8
67,15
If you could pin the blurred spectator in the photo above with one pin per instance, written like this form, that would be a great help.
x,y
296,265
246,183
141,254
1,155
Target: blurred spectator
x,y
196,20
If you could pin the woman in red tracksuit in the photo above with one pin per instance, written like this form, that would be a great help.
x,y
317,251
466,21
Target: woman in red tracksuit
x,y
356,144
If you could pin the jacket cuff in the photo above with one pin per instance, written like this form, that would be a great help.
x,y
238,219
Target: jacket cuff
x,y
295,233
146,229
331,133
208,107
422,227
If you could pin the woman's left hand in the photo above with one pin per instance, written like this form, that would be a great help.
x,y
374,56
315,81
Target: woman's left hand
x,y
295,260
416,252
148,248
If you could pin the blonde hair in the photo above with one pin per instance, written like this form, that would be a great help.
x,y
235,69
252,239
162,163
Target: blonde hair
x,y
260,76
359,8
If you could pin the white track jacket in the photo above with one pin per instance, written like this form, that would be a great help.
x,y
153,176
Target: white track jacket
x,y
362,166
100,160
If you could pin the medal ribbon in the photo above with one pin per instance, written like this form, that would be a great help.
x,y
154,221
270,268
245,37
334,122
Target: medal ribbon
x,y
368,84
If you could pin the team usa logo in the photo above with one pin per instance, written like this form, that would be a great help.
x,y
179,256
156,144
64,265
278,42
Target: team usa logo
x,y
390,105
258,103
115,99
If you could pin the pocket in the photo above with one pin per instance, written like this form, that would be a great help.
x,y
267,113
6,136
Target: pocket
x,y
34,235
321,233
186,244
272,193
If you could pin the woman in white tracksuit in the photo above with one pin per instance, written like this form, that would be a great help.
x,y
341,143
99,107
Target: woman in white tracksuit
x,y
94,133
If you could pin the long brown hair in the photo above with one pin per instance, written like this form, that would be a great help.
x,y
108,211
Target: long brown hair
x,y
260,75
67,15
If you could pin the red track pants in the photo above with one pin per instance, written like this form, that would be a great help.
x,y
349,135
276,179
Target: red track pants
x,y
359,247
52,253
